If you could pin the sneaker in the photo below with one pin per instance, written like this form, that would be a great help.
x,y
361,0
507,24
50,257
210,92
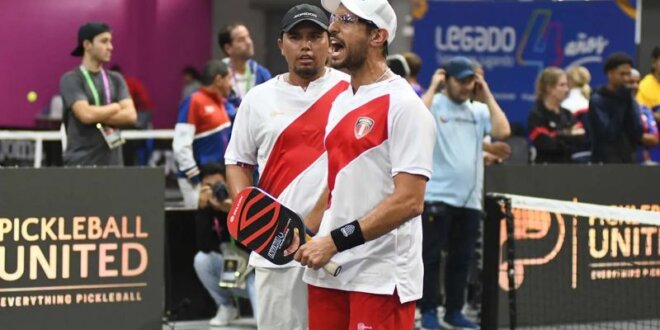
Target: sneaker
x,y
430,319
224,316
456,320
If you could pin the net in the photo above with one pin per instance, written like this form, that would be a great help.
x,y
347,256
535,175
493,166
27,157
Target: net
x,y
570,265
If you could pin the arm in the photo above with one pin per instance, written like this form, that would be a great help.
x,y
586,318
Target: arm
x,y
184,135
91,114
238,178
498,149
437,81
405,203
650,140
598,120
633,122
500,128
313,220
542,138
126,116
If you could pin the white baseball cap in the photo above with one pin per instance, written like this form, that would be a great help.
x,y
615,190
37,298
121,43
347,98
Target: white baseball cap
x,y
378,11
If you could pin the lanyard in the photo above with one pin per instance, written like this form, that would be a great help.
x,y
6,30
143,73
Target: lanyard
x,y
92,86
248,79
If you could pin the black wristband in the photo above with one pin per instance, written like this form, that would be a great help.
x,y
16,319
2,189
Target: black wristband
x,y
347,236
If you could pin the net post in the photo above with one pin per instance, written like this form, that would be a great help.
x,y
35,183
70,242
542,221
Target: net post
x,y
510,258
491,259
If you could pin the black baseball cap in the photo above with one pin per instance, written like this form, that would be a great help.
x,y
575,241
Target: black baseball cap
x,y
304,12
655,53
88,32
459,67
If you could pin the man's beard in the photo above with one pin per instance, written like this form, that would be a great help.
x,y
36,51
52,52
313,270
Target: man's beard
x,y
455,95
306,73
353,60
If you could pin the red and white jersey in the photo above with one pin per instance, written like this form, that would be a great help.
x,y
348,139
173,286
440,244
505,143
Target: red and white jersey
x,y
372,135
280,127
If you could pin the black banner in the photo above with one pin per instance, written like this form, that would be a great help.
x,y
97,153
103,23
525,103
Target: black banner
x,y
576,269
81,248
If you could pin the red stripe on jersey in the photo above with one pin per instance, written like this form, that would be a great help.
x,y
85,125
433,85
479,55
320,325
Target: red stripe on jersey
x,y
299,145
350,138
541,130
580,112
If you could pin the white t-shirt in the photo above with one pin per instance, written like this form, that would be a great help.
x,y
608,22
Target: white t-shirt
x,y
576,102
280,127
372,135
241,84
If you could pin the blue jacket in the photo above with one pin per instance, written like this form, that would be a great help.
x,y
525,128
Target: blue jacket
x,y
261,75
615,126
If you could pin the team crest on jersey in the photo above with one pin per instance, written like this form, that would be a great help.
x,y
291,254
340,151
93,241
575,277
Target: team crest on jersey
x,y
363,126
209,108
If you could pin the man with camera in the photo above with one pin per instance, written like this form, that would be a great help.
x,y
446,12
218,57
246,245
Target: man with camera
x,y
465,112
219,258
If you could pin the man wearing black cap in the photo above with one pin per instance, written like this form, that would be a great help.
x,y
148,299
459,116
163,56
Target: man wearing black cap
x,y
465,112
96,101
279,128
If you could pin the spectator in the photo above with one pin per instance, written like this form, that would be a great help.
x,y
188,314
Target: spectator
x,y
519,145
415,65
202,129
96,102
138,92
649,151
452,208
191,81
577,101
235,42
495,152
614,123
397,63
135,151
210,232
553,130
649,88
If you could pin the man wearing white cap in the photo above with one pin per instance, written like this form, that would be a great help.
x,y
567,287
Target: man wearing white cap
x,y
379,141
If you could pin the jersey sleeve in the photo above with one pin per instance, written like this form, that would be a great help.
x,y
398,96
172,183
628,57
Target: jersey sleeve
x,y
412,137
483,115
242,147
184,135
122,88
72,90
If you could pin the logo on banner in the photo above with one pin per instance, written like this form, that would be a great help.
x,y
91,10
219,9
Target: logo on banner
x,y
363,126
615,249
103,259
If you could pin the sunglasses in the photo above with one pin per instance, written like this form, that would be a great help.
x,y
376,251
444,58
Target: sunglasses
x,y
349,19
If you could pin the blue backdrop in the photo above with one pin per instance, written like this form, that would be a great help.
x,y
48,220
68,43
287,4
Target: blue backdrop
x,y
514,41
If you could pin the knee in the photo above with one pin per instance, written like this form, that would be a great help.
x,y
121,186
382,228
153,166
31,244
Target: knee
x,y
202,262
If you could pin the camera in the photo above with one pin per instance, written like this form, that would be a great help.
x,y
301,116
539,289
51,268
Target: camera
x,y
220,191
